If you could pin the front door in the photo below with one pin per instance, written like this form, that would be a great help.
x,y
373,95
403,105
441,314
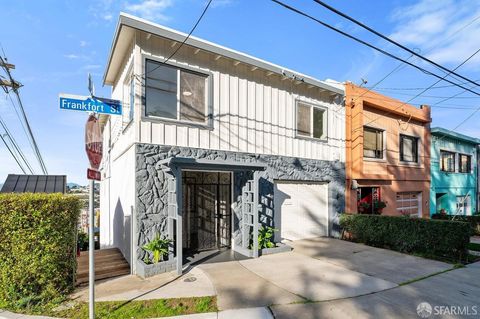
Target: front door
x,y
207,210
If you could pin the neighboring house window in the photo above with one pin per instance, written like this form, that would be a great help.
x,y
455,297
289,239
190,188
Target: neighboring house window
x,y
372,142
408,148
175,93
464,163
311,121
447,161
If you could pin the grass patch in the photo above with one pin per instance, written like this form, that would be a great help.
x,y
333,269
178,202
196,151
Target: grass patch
x,y
136,309
474,246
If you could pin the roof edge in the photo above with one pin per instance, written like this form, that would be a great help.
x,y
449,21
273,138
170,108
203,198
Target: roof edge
x,y
134,22
445,132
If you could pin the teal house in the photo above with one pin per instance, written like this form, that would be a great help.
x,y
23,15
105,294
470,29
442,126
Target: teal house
x,y
454,173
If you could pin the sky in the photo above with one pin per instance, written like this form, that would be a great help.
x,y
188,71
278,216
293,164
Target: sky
x,y
55,44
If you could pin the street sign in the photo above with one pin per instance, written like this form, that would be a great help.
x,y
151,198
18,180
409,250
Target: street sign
x,y
93,141
90,104
94,175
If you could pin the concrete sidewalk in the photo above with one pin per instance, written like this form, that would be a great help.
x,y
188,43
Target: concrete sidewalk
x,y
250,313
458,288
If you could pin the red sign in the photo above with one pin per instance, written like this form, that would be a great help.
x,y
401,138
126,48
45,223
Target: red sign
x,y
93,174
93,141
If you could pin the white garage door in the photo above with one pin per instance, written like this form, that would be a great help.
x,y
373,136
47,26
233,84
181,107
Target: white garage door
x,y
301,210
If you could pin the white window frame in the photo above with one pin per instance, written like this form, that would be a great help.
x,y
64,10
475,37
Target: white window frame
x,y
384,151
324,137
208,94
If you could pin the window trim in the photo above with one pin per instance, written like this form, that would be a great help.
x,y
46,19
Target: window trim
x,y
127,82
312,105
208,124
454,161
384,145
469,170
400,149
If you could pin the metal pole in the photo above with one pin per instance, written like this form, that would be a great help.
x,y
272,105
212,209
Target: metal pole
x,y
91,251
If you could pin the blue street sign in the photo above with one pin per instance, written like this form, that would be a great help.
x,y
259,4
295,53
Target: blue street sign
x,y
90,104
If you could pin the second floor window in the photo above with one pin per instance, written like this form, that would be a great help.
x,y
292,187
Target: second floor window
x,y
464,163
408,149
311,121
175,93
447,161
372,143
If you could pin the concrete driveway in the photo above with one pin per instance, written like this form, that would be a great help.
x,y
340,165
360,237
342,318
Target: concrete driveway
x,y
319,269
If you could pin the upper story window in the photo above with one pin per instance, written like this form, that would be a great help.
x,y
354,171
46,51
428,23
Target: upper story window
x,y
175,93
408,149
372,142
311,120
447,161
464,163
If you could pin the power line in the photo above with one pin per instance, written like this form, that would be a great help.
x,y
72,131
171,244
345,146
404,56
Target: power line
x,y
323,4
16,159
428,88
370,45
15,144
183,42
22,109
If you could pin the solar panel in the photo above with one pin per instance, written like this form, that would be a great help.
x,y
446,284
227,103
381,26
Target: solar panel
x,y
34,184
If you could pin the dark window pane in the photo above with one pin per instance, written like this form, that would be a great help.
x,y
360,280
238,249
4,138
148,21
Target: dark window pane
x,y
318,122
192,96
465,162
161,90
303,119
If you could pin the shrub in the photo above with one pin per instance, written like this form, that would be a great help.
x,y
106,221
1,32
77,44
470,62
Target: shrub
x,y
474,221
37,248
430,238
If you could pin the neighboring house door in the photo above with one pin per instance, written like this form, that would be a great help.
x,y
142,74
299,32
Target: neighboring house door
x,y
463,205
368,196
301,210
409,203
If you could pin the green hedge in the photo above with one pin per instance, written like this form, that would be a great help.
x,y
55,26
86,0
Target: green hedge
x,y
474,221
426,237
37,248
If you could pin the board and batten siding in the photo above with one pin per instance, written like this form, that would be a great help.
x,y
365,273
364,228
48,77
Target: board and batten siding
x,y
253,111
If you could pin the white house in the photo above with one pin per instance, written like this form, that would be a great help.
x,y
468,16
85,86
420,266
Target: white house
x,y
212,145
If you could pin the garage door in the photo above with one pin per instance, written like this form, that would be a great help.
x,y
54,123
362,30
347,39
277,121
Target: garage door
x,y
301,210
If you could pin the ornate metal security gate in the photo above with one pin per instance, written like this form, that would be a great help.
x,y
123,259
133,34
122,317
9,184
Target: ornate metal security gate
x,y
206,210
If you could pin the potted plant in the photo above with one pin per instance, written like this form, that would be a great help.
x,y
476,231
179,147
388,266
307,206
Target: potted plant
x,y
158,247
363,207
379,206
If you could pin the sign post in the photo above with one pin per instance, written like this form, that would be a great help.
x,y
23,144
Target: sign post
x,y
94,148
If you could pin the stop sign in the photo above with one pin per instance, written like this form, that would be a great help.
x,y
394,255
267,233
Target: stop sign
x,y
93,141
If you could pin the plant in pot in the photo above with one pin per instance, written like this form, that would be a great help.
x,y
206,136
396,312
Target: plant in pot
x,y
158,247
363,208
379,206
265,237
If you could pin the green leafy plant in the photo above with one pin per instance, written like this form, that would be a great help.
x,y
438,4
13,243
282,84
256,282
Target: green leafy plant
x,y
37,248
265,237
158,247
378,206
363,207
82,239
440,239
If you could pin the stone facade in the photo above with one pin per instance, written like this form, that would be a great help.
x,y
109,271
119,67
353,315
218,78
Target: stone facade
x,y
152,184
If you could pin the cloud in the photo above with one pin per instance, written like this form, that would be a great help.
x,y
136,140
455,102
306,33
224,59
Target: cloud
x,y
92,66
150,9
222,3
83,43
71,56
446,31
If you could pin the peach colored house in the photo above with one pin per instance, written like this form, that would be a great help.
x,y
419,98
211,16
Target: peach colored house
x,y
387,154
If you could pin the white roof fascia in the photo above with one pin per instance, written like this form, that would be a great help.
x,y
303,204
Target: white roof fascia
x,y
165,32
